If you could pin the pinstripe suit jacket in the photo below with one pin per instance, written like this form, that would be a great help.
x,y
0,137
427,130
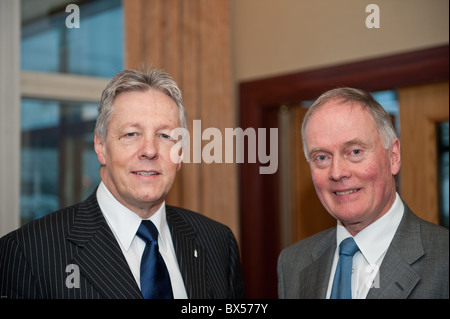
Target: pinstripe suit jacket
x,y
34,258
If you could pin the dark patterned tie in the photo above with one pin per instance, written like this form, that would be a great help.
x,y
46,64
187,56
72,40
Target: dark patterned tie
x,y
155,280
342,285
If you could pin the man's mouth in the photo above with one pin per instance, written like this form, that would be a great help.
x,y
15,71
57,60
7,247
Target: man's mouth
x,y
144,173
350,191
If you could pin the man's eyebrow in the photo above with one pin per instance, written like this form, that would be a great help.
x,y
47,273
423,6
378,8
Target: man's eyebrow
x,y
129,125
167,127
356,141
135,125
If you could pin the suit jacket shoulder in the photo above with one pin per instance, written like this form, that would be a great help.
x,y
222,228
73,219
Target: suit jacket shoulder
x,y
26,251
207,253
71,253
303,268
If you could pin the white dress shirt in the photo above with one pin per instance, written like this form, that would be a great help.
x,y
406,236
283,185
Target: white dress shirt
x,y
124,225
373,242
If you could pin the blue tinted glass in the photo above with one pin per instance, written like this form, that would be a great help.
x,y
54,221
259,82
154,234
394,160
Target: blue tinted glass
x,y
40,51
95,48
39,159
59,166
388,100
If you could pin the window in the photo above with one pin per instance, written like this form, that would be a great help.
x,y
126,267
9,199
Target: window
x,y
59,105
94,49
58,163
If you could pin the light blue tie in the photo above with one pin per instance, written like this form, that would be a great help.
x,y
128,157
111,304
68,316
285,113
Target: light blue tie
x,y
342,284
155,280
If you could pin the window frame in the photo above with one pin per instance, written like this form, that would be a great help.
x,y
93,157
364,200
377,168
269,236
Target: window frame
x,y
24,84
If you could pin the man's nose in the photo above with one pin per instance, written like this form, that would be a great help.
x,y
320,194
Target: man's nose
x,y
149,148
339,169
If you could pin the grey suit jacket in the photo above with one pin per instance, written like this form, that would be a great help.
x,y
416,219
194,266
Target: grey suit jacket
x,y
416,264
34,258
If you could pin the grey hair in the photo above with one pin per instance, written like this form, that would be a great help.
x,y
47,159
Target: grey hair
x,y
136,80
381,117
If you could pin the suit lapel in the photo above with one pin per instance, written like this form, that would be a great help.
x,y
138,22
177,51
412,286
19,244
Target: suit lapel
x,y
396,277
315,277
191,257
396,280
99,257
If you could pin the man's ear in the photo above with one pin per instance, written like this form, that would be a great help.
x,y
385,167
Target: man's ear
x,y
100,146
181,159
395,156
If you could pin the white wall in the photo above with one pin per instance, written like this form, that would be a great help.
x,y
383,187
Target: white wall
x,y
272,37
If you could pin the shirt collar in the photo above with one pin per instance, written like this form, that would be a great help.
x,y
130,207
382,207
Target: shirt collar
x,y
124,222
374,240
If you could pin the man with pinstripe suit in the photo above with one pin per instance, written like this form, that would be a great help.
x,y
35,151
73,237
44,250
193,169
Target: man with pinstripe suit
x,y
90,250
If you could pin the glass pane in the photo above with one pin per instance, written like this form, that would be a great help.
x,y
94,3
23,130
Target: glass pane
x,y
38,57
58,164
48,45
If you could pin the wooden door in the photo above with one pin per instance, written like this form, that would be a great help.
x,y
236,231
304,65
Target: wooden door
x,y
421,109
301,212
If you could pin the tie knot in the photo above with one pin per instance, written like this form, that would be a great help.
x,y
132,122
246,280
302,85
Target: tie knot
x,y
348,247
147,231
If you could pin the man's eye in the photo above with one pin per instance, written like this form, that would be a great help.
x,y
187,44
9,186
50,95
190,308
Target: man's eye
x,y
131,134
320,160
356,152
165,136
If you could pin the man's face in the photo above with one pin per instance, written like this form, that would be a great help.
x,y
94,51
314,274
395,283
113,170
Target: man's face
x,y
351,170
136,164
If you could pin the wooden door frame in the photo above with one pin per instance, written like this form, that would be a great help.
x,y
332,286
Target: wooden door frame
x,y
259,102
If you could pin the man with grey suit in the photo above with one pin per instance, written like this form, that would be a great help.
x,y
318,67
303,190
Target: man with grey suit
x,y
379,248
123,241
